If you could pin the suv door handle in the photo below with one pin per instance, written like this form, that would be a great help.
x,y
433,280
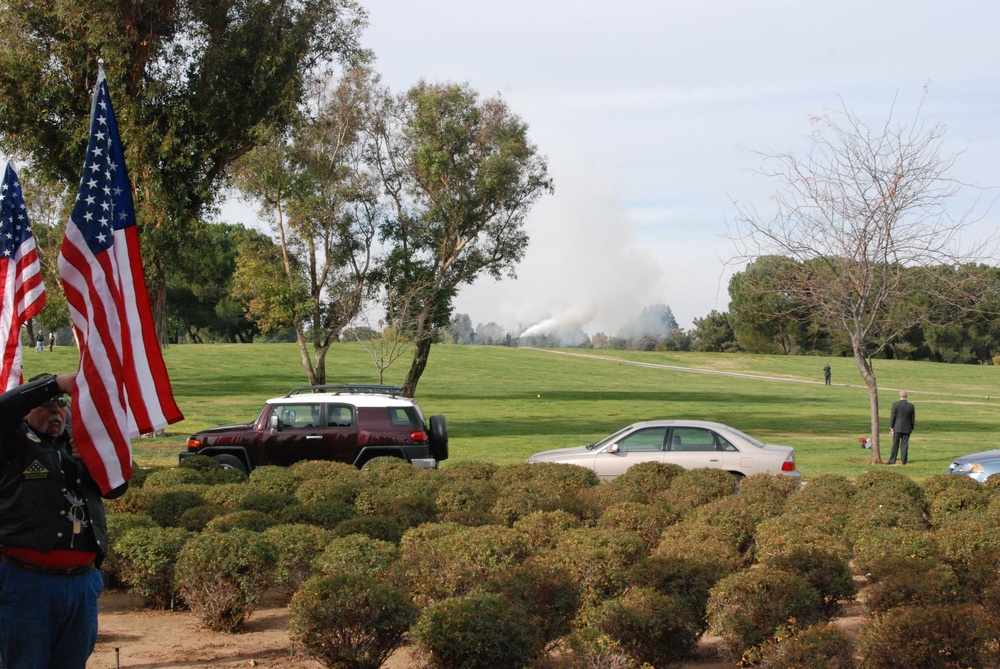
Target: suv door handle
x,y
314,436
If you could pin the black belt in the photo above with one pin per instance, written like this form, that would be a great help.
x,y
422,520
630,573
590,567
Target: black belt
x,y
42,569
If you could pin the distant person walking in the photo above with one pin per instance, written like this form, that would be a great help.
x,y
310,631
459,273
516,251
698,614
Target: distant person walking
x,y
52,341
901,423
826,373
39,342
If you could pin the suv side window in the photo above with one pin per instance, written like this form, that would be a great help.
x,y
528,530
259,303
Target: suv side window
x,y
339,415
298,415
403,416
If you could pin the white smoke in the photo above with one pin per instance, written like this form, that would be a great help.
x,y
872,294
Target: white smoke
x,y
584,271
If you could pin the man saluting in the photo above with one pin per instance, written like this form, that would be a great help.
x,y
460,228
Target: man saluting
x,y
53,533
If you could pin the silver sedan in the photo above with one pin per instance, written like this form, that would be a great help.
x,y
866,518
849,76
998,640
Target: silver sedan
x,y
978,466
691,444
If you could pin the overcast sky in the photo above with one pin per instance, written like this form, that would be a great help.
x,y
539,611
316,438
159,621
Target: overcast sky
x,y
650,111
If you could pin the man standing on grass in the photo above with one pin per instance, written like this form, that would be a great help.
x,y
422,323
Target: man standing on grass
x,y
901,422
53,532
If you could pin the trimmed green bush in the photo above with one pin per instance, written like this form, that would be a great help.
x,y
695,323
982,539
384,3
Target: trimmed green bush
x,y
227,495
166,506
197,517
477,631
694,487
297,546
885,479
552,476
254,521
118,522
733,518
469,470
825,570
956,500
543,529
341,489
147,556
877,545
646,520
911,582
598,559
223,576
266,502
645,480
350,621
824,646
323,469
930,637
175,476
327,515
213,472
747,608
466,501
690,577
652,627
702,550
775,536
357,554
970,543
410,501
770,489
376,527
550,597
271,478
441,561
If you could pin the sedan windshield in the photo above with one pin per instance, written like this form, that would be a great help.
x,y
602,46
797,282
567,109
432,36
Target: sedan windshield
x,y
608,440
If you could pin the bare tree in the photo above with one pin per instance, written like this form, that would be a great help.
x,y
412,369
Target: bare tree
x,y
864,211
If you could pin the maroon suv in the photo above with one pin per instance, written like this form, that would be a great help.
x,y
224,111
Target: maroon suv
x,y
346,423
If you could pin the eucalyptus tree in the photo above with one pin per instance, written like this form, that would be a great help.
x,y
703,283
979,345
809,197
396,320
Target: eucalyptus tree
x,y
864,211
461,176
192,81
323,203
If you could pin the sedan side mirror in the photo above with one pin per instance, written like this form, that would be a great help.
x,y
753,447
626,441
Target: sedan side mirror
x,y
613,448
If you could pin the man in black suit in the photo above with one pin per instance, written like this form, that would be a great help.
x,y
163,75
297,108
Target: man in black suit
x,y
901,423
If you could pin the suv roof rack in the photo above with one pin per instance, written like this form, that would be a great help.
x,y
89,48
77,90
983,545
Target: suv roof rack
x,y
349,388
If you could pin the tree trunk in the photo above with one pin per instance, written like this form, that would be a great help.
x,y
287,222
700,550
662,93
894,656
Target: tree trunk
x,y
300,337
869,376
320,371
421,351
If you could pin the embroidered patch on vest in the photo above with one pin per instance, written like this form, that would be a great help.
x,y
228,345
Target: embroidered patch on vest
x,y
36,470
32,437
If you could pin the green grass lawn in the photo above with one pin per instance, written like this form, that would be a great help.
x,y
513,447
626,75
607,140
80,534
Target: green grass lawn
x,y
504,404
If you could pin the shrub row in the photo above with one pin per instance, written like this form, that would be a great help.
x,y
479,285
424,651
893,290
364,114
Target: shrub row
x,y
480,565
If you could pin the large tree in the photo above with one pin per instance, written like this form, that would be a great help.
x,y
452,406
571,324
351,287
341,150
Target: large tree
x,y
191,80
462,176
864,210
323,203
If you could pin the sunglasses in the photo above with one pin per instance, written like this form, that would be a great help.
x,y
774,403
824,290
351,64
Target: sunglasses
x,y
60,402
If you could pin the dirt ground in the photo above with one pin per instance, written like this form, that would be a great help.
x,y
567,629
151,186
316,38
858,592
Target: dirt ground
x,y
134,638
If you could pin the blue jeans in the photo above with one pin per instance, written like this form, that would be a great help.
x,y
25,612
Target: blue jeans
x,y
47,621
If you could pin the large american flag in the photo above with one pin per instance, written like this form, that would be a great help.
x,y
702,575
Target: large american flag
x,y
21,287
122,387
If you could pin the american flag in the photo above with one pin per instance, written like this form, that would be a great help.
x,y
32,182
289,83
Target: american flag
x,y
23,293
122,387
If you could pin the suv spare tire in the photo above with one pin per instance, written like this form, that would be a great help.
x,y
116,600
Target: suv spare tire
x,y
439,437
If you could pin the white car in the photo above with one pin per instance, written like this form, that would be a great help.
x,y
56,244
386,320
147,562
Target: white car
x,y
689,443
